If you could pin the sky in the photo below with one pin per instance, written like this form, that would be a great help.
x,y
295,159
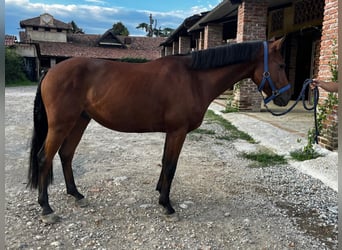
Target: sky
x,y
97,16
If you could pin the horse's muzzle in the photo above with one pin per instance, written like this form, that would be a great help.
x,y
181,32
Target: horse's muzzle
x,y
282,99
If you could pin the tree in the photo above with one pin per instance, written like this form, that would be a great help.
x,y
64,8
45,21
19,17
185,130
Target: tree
x,y
120,29
75,29
14,67
143,26
166,32
153,31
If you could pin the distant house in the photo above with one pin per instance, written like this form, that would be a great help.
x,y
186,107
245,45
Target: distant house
x,y
10,40
44,28
47,41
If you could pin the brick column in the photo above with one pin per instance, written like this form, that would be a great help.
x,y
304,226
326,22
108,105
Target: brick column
x,y
168,50
328,137
212,35
175,47
252,20
200,41
184,45
252,23
52,62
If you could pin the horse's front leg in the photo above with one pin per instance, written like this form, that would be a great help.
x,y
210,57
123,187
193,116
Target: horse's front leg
x,y
173,146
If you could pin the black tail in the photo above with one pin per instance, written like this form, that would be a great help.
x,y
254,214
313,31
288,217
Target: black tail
x,y
40,129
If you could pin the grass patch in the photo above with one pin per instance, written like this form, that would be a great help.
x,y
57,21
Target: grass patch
x,y
203,131
224,137
234,132
265,159
229,109
21,83
302,155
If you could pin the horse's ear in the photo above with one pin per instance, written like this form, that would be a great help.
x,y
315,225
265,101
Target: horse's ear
x,y
277,44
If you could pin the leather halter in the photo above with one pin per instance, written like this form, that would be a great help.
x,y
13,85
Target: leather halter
x,y
266,76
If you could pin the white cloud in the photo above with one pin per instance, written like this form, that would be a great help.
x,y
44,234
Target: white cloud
x,y
94,16
17,2
96,1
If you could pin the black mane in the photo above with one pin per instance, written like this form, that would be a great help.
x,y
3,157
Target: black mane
x,y
225,55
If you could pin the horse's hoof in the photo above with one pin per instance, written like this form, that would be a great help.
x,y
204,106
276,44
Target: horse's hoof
x,y
172,217
50,218
82,202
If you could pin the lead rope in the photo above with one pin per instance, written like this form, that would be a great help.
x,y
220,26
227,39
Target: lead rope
x,y
301,96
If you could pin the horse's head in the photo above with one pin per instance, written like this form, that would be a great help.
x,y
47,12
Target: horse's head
x,y
270,74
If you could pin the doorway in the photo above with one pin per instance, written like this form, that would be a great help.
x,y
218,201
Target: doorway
x,y
305,57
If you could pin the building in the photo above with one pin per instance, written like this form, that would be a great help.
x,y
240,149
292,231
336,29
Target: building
x,y
10,40
310,27
47,41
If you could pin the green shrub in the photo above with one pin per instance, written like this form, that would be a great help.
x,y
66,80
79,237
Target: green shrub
x,y
14,67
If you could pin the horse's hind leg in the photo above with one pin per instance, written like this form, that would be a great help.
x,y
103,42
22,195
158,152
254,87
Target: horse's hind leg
x,y
173,146
66,153
54,139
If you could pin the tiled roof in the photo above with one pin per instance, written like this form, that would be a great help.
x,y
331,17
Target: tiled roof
x,y
182,29
150,51
35,22
142,43
85,39
132,42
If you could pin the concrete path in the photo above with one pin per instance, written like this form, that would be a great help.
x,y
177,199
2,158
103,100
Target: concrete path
x,y
282,135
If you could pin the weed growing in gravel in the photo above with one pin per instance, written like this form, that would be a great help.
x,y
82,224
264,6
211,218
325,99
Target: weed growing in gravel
x,y
308,152
204,131
303,155
264,159
224,137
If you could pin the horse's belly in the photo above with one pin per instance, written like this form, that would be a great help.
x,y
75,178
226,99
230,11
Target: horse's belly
x,y
134,123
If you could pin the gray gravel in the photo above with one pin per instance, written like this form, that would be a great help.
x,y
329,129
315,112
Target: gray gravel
x,y
221,202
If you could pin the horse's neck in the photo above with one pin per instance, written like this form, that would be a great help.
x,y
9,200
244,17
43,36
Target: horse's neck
x,y
216,81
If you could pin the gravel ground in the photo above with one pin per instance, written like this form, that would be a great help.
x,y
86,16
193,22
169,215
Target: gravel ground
x,y
221,202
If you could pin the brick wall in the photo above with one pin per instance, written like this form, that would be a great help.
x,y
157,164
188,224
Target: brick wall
x,y
252,20
329,34
184,45
317,47
168,51
201,41
252,23
328,138
212,35
246,96
175,47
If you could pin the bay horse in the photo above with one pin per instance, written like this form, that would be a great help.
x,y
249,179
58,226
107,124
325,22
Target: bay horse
x,y
170,94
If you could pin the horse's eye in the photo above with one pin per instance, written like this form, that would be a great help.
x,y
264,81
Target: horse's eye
x,y
282,66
